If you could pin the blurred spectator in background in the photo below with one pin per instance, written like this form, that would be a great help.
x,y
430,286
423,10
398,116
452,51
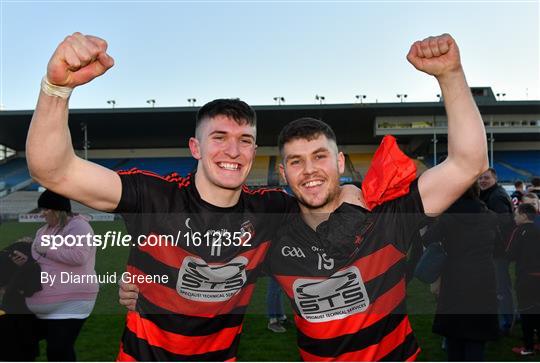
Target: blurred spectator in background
x,y
467,304
532,199
524,249
497,200
19,278
518,193
62,307
535,187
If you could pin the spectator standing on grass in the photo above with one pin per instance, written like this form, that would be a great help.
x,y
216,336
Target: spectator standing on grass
x,y
467,304
62,307
524,249
498,201
274,306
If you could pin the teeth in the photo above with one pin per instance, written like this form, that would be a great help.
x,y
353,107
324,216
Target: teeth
x,y
228,166
313,183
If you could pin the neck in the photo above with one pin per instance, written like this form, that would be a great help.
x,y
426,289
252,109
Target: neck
x,y
215,195
315,216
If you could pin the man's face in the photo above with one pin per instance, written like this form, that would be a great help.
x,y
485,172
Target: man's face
x,y
486,180
225,151
312,169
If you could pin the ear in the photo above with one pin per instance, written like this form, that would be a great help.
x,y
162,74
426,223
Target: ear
x,y
282,172
195,148
341,163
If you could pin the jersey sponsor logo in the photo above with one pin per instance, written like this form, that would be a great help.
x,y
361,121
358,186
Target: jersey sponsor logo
x,y
292,252
331,298
198,281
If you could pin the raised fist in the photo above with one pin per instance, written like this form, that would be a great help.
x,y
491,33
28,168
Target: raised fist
x,y
437,56
78,60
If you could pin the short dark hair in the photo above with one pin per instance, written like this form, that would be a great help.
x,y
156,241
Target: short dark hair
x,y
518,183
535,181
234,108
528,210
307,128
493,172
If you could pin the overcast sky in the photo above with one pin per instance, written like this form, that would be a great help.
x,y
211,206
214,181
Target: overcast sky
x,y
174,50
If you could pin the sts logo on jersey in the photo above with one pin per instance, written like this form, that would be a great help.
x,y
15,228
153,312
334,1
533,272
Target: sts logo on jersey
x,y
198,281
331,298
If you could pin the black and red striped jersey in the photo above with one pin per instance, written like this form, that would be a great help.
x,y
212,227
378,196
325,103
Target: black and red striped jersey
x,y
212,262
346,281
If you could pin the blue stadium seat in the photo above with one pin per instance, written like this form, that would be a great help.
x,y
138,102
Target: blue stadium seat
x,y
525,163
14,172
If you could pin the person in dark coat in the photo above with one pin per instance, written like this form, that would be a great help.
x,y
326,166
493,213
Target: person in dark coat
x,y
19,278
524,249
498,200
467,305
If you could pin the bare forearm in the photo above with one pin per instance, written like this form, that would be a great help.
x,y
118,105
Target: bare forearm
x,y
49,150
467,145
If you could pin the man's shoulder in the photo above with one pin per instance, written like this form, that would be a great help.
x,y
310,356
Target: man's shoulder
x,y
152,181
497,195
148,192
258,192
268,199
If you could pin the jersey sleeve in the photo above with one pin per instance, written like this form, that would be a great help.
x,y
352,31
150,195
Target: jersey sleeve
x,y
403,216
143,192
131,199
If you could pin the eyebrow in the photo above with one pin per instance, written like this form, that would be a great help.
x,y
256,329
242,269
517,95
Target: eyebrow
x,y
296,156
225,133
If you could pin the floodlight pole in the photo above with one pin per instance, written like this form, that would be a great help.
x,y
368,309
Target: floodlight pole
x,y
84,129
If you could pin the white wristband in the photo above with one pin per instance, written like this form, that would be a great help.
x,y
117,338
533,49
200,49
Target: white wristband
x,y
55,91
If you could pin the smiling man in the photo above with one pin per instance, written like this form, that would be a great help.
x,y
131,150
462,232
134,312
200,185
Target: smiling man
x,y
346,281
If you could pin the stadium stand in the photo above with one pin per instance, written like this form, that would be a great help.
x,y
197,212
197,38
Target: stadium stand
x,y
26,201
360,163
18,202
259,171
149,138
14,172
522,164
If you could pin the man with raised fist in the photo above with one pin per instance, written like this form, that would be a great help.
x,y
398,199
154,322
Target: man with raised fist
x,y
348,290
196,311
